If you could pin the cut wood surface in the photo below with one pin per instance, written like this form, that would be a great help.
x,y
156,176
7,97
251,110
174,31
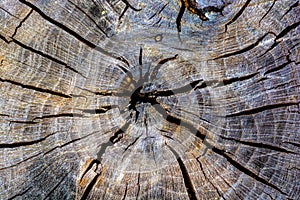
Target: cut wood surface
x,y
161,99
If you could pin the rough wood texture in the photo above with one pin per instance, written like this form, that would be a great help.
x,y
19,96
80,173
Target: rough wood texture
x,y
137,99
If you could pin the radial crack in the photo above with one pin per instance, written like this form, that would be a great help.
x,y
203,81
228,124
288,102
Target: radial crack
x,y
261,109
36,88
186,177
47,56
259,145
20,24
245,170
238,14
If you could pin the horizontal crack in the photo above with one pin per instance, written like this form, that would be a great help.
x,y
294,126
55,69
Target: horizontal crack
x,y
261,109
24,143
259,145
36,88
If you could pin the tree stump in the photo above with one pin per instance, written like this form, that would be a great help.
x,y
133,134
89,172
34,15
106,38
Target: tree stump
x,y
137,99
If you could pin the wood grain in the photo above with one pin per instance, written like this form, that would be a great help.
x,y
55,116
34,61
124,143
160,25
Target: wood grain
x,y
136,99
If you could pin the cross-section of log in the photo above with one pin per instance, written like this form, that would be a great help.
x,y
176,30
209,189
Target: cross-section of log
x,y
137,99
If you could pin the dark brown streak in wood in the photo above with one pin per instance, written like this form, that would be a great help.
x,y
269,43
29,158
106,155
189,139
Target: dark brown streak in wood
x,y
20,24
25,143
68,30
179,16
242,50
46,56
261,109
238,14
90,18
186,177
259,145
273,3
30,87
245,170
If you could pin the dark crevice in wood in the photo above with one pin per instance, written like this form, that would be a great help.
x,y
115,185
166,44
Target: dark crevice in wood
x,y
25,143
20,24
291,7
287,30
131,144
270,8
123,13
4,39
100,93
130,6
139,186
20,194
292,143
36,88
261,109
47,56
238,79
9,13
97,162
244,50
125,193
158,66
206,178
245,170
58,115
186,177
68,30
68,143
259,145
22,161
279,67
112,140
89,187
282,34
100,110
238,14
89,17
177,121
179,16
158,11
56,186
187,88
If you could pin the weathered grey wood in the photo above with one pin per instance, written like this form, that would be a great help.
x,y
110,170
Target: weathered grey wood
x,y
215,114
